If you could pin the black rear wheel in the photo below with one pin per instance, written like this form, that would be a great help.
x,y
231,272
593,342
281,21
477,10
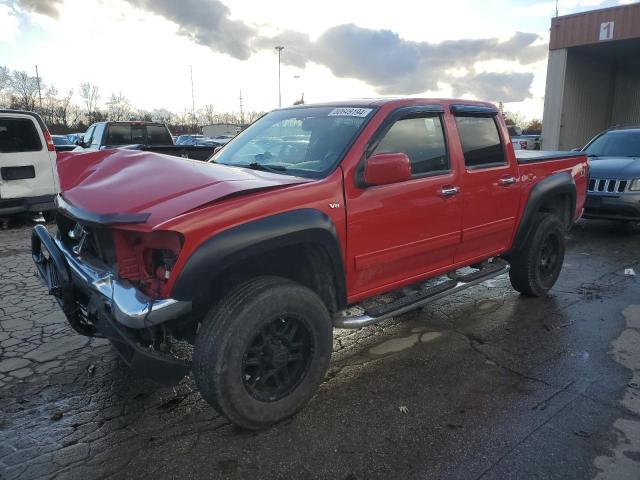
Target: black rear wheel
x,y
261,353
536,267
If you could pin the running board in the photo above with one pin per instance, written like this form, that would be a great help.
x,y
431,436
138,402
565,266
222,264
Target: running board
x,y
375,314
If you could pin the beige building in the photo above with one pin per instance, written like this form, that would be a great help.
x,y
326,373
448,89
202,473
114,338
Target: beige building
x,y
593,75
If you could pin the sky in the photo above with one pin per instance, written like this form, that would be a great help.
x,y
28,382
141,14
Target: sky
x,y
493,50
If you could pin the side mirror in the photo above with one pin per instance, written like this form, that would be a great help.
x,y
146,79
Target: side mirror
x,y
80,142
386,168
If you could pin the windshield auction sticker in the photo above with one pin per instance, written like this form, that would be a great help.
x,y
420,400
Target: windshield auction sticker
x,y
350,112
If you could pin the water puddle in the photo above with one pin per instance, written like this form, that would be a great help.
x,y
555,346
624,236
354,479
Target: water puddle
x,y
430,336
395,345
623,460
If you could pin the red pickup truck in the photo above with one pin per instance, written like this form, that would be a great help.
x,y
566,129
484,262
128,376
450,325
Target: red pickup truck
x,y
315,217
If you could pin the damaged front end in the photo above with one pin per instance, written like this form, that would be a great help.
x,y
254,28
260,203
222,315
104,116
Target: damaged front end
x,y
110,282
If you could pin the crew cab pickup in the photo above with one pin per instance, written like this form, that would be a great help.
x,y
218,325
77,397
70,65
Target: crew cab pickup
x,y
147,136
317,216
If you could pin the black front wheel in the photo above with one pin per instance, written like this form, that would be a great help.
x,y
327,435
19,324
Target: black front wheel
x,y
535,268
261,353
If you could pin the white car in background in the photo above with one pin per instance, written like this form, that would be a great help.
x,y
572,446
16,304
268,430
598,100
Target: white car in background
x,y
28,174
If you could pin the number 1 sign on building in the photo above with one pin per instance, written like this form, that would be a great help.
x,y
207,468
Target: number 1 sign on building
x,y
606,30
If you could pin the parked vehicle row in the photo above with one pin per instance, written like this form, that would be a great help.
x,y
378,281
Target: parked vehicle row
x,y
202,140
298,226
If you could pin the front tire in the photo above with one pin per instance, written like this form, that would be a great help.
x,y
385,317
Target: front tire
x,y
261,352
535,268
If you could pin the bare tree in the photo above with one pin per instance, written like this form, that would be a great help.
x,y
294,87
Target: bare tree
x,y
534,124
161,115
90,96
514,118
64,107
25,89
20,90
252,116
206,115
5,84
50,104
119,108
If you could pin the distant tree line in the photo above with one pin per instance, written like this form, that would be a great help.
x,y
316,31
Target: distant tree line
x,y
517,119
19,90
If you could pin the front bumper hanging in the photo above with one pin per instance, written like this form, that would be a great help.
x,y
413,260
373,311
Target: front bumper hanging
x,y
116,307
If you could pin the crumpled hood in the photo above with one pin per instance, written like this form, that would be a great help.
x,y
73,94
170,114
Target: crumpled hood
x,y
619,168
125,181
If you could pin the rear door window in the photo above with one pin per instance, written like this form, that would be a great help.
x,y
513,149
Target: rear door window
x,y
18,135
480,141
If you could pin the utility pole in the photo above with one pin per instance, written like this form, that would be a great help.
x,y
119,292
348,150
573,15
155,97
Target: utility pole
x,y
193,102
241,112
39,92
279,48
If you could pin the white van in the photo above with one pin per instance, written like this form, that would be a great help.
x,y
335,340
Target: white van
x,y
28,174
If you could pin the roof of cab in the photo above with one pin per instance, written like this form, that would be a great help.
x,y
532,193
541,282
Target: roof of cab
x,y
394,101
38,118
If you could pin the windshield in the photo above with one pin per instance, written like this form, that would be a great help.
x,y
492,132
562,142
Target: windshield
x,y
306,142
617,143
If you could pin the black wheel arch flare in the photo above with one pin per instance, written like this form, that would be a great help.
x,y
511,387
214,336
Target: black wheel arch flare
x,y
231,246
560,183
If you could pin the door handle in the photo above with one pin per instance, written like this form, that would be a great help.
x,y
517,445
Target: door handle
x,y
449,191
506,181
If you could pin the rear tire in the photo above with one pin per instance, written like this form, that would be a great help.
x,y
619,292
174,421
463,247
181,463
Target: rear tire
x,y
536,267
262,351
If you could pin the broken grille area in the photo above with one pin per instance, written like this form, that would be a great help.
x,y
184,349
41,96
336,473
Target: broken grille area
x,y
607,185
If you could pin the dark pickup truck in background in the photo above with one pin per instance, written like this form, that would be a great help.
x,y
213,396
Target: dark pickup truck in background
x,y
147,136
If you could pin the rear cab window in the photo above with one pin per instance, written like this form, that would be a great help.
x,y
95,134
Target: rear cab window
x,y
158,135
19,135
132,134
481,143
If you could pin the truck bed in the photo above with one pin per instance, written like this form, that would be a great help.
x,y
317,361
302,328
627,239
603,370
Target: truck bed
x,y
530,156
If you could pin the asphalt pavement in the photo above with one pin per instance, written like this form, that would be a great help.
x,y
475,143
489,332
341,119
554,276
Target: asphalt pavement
x,y
486,384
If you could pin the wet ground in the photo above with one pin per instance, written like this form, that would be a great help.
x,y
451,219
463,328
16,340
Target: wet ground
x,y
486,384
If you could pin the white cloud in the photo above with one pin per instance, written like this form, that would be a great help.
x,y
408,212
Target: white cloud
x,y
147,57
9,23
